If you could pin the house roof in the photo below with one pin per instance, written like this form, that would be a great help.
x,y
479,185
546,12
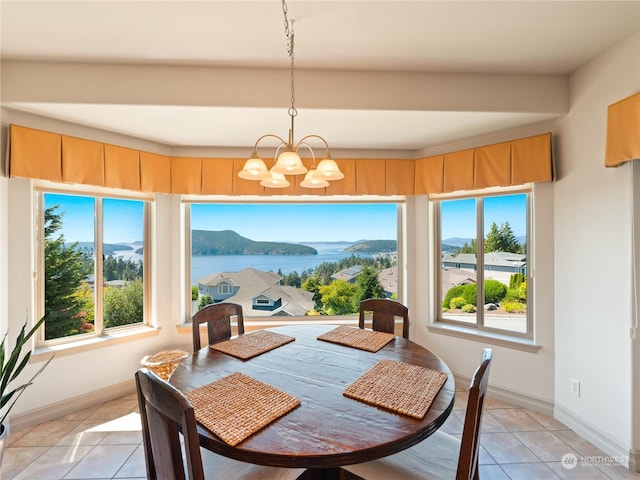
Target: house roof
x,y
388,278
253,283
348,273
501,259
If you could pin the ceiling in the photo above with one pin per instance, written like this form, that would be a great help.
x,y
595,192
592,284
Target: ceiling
x,y
484,37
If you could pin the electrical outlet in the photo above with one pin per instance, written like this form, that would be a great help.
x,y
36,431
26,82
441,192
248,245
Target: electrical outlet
x,y
575,387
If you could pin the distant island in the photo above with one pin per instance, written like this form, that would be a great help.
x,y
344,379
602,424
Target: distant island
x,y
228,242
373,246
107,248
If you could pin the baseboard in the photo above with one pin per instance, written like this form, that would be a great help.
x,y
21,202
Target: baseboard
x,y
600,439
65,407
517,399
634,460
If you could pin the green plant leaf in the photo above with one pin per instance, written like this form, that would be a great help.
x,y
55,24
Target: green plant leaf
x,y
14,366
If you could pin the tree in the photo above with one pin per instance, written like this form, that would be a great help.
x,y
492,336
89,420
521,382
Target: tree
x,y
340,298
510,242
369,285
312,284
501,239
124,305
64,273
493,241
467,247
204,301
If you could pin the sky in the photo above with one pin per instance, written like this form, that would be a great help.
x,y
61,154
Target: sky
x,y
123,219
459,216
300,223
286,222
264,222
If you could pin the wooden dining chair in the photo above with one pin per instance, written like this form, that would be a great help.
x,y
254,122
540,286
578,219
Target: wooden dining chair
x,y
384,313
440,456
217,316
165,413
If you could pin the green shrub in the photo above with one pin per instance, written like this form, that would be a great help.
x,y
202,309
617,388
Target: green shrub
x,y
204,301
194,292
514,307
457,302
511,296
468,308
452,293
522,291
494,292
516,279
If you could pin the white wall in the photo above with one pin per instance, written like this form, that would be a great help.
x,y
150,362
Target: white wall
x,y
592,222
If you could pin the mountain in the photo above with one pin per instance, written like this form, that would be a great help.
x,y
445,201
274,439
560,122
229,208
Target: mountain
x,y
228,242
373,246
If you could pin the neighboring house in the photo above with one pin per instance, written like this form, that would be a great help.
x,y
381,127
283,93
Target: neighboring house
x,y
259,293
493,261
388,278
452,277
349,275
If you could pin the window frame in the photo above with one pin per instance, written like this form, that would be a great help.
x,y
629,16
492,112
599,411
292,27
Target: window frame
x,y
187,200
39,190
479,328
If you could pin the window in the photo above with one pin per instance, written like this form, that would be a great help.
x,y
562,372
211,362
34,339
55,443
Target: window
x,y
91,270
298,255
224,289
482,247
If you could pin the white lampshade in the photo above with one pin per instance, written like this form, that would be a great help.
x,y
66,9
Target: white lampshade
x,y
313,181
254,169
275,180
329,170
289,163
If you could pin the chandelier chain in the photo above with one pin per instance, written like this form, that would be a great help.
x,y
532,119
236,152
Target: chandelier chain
x,y
287,158
290,34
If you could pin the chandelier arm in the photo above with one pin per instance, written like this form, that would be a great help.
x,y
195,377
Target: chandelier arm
x,y
302,140
304,144
272,135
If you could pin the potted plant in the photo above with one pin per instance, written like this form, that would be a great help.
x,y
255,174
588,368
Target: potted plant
x,y
11,367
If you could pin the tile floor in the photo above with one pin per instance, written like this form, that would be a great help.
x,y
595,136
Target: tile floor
x,y
105,443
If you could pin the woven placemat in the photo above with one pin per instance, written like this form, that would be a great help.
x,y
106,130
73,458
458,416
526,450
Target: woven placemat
x,y
237,406
252,344
165,362
399,387
368,340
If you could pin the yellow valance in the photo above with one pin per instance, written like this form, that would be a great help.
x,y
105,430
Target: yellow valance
x,y
60,158
623,131
517,162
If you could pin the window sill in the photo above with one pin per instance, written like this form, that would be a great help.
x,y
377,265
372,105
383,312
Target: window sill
x,y
523,344
42,354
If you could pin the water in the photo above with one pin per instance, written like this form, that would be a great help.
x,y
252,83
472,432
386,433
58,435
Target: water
x,y
204,265
201,266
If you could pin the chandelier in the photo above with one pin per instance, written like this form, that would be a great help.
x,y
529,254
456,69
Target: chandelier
x,y
287,159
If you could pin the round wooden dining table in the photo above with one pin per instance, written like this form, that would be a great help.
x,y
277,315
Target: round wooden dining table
x,y
328,429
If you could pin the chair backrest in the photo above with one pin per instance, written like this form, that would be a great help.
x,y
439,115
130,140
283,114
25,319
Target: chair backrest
x,y
164,412
385,312
470,443
218,319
